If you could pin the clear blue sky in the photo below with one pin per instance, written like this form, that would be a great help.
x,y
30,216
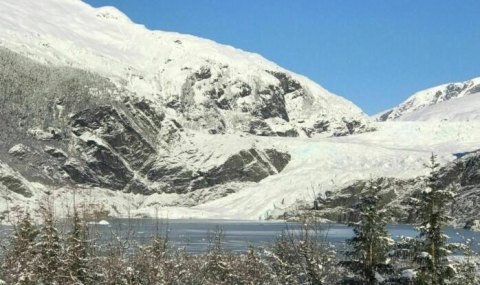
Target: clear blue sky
x,y
373,52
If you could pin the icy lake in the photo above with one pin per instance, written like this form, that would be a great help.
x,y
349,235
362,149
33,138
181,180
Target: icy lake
x,y
239,235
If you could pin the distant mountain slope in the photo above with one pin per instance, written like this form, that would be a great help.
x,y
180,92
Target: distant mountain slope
x,y
465,108
431,96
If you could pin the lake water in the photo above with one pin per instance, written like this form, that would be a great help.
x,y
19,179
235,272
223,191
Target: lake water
x,y
193,235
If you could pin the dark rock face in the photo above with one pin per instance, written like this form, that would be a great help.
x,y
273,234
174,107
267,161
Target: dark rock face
x,y
145,116
203,73
471,172
15,185
352,127
287,83
452,91
137,187
117,131
321,126
80,174
55,152
464,174
175,178
248,165
269,100
279,160
287,133
345,128
246,90
272,104
111,149
474,89
261,128
472,225
101,167
12,181
385,116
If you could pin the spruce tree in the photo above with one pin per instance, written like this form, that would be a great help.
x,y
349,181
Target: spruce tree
x,y
17,264
76,252
48,248
433,216
371,241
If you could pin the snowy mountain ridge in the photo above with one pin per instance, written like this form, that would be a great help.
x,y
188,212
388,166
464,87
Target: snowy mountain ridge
x,y
466,108
431,96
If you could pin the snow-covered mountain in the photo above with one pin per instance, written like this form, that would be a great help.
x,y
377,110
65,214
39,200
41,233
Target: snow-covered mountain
x,y
465,108
91,99
429,97
202,84
135,121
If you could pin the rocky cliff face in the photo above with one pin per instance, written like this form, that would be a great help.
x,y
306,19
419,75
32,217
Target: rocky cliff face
x,y
70,127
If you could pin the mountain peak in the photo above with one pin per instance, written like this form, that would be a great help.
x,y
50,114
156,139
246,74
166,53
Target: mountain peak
x,y
431,96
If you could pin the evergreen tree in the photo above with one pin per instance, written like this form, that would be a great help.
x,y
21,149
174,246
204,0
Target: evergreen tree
x,y
48,260
371,241
76,253
432,215
17,263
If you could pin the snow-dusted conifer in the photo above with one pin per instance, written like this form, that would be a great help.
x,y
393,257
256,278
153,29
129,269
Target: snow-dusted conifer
x,y
76,251
49,265
432,253
17,264
371,241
